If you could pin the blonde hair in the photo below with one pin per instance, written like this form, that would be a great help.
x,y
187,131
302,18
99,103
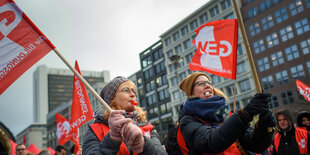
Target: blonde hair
x,y
219,92
113,105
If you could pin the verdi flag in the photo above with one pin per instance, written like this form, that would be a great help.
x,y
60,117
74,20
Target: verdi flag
x,y
22,44
64,131
216,44
303,89
81,110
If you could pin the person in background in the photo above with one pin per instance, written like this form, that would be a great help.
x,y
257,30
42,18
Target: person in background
x,y
303,120
5,144
206,127
125,130
61,150
21,149
289,140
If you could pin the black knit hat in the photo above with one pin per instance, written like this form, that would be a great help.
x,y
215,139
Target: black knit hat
x,y
110,88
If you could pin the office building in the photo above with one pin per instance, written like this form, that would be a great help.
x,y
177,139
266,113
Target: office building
x,y
279,35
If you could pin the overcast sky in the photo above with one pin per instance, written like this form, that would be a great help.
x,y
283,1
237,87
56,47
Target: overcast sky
x,y
100,34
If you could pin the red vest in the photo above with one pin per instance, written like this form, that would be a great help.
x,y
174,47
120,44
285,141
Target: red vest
x,y
301,139
181,142
101,130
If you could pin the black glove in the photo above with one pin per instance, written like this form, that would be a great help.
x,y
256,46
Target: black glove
x,y
266,120
258,104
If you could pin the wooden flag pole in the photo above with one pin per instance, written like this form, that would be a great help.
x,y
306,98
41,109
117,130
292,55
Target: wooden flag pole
x,y
235,95
247,46
106,106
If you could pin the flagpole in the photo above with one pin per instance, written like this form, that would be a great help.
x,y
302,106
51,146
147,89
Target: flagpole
x,y
247,46
106,106
235,95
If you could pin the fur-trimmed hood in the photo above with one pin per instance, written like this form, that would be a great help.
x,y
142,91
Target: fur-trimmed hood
x,y
300,116
288,115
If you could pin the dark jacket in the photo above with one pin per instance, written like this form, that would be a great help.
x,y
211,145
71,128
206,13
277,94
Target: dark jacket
x,y
288,144
201,138
92,145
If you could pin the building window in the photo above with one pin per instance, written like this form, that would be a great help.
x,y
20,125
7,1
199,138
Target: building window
x,y
184,30
160,67
274,102
158,54
272,40
305,46
178,49
282,77
267,22
291,52
302,26
254,29
265,5
280,15
189,57
239,50
230,16
150,86
214,11
263,64
187,44
225,4
277,58
296,7
215,79
252,12
176,95
148,74
245,85
230,90
151,99
146,61
203,18
308,66
174,81
259,46
267,82
193,24
286,33
164,94
182,75
167,41
287,97
176,36
241,67
171,67
297,71
169,53
276,1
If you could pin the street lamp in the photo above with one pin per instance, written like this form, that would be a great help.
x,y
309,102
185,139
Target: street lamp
x,y
174,59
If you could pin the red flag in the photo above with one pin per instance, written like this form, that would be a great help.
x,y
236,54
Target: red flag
x,y
303,89
13,147
77,149
216,44
22,44
32,148
52,151
81,110
64,131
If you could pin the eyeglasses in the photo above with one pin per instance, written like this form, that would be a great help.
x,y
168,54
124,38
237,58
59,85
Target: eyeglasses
x,y
21,149
127,90
203,83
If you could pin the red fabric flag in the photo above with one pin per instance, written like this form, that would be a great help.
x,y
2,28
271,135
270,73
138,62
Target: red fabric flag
x,y
32,148
81,110
303,89
13,147
64,132
52,151
77,149
22,44
216,44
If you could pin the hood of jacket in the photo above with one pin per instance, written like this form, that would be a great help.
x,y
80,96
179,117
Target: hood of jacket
x,y
300,116
288,115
